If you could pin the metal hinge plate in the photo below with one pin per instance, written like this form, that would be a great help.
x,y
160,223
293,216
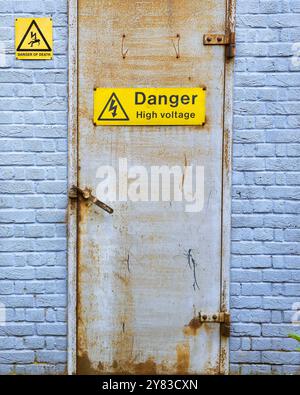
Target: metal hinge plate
x,y
222,39
215,39
222,318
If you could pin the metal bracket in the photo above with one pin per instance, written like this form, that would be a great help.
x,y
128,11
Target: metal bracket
x,y
86,194
222,318
222,39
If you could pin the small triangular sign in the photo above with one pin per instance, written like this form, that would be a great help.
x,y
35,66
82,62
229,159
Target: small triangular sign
x,y
34,40
113,110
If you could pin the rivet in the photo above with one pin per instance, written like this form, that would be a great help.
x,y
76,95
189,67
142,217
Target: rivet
x,y
214,317
219,39
204,317
208,39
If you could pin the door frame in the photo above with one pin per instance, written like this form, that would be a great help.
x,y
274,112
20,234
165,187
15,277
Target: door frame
x,y
72,214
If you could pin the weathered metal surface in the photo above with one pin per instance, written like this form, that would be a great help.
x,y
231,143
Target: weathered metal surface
x,y
137,299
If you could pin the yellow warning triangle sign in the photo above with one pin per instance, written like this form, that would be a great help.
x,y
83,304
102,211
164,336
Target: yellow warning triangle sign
x,y
113,110
34,40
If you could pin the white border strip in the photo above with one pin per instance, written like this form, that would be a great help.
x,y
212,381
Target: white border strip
x,y
72,179
226,198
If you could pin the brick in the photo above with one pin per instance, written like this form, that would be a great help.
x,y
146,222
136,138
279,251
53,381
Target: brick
x,y
249,302
17,330
50,300
255,369
35,315
242,275
34,342
277,330
277,357
256,289
251,316
246,357
51,356
51,329
279,303
16,356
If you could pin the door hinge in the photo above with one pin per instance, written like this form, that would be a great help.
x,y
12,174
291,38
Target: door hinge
x,y
222,39
222,318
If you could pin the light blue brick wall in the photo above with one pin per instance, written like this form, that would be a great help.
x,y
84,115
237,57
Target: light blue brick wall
x,y
265,239
33,171
265,269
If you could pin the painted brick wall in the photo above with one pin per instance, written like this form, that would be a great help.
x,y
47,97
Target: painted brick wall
x,y
33,159
33,171
265,212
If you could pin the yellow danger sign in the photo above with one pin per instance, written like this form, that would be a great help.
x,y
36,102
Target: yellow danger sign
x,y
33,37
149,106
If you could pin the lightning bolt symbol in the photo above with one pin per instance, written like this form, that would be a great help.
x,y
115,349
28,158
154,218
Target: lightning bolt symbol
x,y
113,107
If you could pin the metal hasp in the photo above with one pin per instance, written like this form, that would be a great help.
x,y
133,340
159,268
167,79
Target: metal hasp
x,y
86,194
222,318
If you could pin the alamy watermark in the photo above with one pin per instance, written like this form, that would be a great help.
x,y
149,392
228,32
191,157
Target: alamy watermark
x,y
296,314
3,55
296,54
152,184
2,314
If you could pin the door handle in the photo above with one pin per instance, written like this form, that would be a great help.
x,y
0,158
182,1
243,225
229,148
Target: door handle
x,y
86,194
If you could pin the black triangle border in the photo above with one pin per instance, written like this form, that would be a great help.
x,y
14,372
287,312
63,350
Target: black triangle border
x,y
114,119
25,35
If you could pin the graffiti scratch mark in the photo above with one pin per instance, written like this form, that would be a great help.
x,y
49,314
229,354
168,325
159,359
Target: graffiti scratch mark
x,y
128,263
192,265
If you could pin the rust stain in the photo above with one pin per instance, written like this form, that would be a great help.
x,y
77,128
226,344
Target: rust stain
x,y
184,170
147,367
86,273
224,296
223,358
212,370
84,366
226,151
125,280
126,367
115,365
183,358
193,327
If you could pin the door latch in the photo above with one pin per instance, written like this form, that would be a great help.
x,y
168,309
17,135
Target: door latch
x,y
222,318
222,39
86,194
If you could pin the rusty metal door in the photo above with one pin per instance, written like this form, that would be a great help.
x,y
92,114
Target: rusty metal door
x,y
147,272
